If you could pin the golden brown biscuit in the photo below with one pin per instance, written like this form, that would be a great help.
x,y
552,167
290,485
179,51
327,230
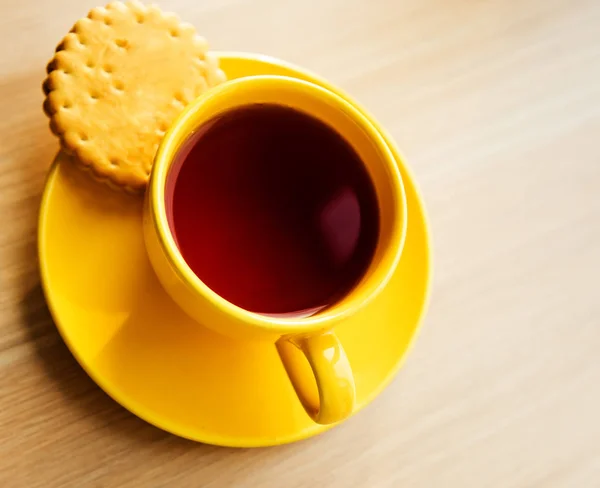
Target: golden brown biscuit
x,y
117,82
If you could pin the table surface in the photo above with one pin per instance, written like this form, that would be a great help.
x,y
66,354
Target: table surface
x,y
496,105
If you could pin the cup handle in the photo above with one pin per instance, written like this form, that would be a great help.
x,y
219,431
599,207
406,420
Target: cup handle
x,y
328,395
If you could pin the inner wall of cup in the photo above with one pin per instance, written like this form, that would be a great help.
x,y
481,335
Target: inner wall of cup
x,y
174,169
382,241
382,175
383,255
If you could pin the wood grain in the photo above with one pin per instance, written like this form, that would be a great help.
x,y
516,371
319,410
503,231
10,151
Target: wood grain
x,y
496,104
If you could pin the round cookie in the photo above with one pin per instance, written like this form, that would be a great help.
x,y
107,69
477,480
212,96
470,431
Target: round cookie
x,y
116,83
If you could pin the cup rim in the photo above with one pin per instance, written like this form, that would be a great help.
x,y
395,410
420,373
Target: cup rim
x,y
183,126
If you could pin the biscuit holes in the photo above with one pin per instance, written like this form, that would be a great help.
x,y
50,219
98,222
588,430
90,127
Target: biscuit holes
x,y
119,85
90,64
179,98
94,96
139,18
67,105
121,43
174,32
162,128
83,137
113,162
107,68
107,21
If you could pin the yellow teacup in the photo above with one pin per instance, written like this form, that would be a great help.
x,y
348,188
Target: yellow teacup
x,y
308,347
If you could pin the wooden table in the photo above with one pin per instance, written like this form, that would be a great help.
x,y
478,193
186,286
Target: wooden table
x,y
496,105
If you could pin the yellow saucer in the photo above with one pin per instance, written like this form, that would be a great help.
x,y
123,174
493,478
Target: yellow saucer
x,y
155,361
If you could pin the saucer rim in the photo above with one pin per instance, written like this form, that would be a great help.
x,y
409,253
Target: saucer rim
x,y
227,441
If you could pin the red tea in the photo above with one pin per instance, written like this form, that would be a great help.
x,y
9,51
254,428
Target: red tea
x,y
273,210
